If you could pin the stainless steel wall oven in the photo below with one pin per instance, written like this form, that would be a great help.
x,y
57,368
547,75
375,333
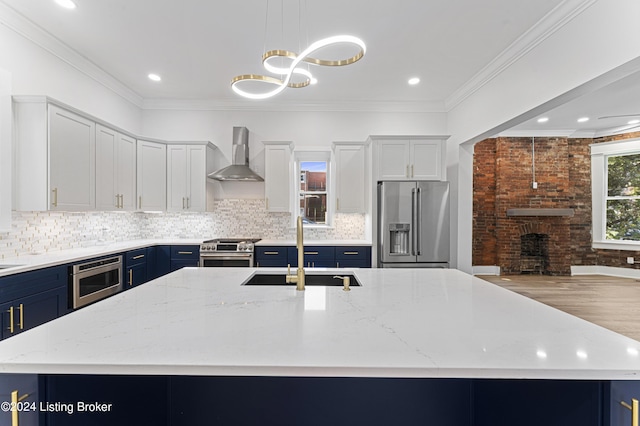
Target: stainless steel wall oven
x,y
95,280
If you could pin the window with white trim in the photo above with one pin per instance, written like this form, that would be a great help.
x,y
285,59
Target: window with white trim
x,y
312,188
623,197
615,194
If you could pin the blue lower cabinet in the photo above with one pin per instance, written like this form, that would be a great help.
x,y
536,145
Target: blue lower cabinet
x,y
204,400
135,271
353,257
99,400
271,256
162,262
184,256
314,256
32,298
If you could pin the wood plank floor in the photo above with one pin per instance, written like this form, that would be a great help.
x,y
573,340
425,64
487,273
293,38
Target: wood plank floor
x,y
610,302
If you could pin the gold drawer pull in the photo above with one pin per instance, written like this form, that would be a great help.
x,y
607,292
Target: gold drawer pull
x,y
21,323
11,329
350,252
634,410
310,252
140,256
130,277
14,406
271,252
185,252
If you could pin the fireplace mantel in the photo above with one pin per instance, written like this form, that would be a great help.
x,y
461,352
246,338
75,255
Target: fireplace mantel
x,y
540,212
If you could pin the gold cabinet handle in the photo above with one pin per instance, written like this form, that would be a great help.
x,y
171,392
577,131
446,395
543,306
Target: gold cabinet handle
x,y
338,204
130,277
54,203
267,203
412,170
185,252
634,410
350,252
21,323
183,203
188,203
14,406
271,252
122,201
11,329
140,256
407,170
310,252
140,202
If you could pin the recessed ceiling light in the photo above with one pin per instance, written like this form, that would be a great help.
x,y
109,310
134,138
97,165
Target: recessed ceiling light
x,y
414,80
543,119
67,4
583,119
154,77
634,122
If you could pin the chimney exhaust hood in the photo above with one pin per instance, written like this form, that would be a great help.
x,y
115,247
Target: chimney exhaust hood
x,y
239,169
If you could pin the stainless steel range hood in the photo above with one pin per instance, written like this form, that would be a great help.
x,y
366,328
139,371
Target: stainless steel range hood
x,y
239,169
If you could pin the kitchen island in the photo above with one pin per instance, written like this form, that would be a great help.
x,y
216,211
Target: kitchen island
x,y
443,329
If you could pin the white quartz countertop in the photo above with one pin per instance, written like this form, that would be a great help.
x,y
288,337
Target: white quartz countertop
x,y
30,262
400,323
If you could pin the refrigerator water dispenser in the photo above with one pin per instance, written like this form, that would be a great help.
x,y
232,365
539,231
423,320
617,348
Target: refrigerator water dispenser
x,y
399,238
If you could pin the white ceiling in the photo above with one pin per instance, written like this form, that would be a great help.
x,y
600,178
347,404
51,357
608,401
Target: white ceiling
x,y
198,46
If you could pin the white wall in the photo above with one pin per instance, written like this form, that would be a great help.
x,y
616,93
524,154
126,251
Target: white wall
x,y
303,128
596,47
36,71
5,150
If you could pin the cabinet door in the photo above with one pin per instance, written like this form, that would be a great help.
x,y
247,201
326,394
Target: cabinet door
x,y
126,171
619,396
23,388
268,256
393,160
152,171
426,160
176,177
106,193
350,178
135,275
277,177
72,145
31,311
196,178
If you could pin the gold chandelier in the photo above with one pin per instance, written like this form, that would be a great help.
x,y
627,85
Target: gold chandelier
x,y
294,67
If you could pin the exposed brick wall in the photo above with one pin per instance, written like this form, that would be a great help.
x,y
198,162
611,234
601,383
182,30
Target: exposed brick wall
x,y
502,180
484,249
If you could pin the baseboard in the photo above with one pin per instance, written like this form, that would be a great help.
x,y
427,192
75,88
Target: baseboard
x,y
486,270
605,270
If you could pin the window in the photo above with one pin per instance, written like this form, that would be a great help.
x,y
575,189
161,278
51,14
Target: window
x,y
623,197
615,194
313,188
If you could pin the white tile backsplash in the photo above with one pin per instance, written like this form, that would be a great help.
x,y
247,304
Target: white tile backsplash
x,y
40,232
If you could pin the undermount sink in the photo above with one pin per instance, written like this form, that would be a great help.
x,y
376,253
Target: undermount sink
x,y
310,280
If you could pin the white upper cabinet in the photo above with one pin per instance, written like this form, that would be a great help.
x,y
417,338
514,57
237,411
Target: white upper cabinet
x,y
151,176
54,157
351,177
115,170
410,159
277,176
72,145
187,168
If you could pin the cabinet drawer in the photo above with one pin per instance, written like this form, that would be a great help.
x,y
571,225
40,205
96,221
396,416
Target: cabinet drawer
x,y
137,256
320,256
185,252
28,283
271,256
353,252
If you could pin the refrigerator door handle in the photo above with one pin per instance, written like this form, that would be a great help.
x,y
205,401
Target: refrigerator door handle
x,y
413,221
418,229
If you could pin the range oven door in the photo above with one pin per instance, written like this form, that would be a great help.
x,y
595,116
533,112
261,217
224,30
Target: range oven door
x,y
226,260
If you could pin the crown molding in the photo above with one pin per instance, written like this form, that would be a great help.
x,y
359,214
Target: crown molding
x,y
16,22
562,14
248,105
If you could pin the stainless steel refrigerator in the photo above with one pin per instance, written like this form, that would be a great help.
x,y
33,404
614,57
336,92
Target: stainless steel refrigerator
x,y
413,224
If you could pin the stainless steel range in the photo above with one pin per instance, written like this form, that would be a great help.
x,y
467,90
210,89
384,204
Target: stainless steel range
x,y
227,252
